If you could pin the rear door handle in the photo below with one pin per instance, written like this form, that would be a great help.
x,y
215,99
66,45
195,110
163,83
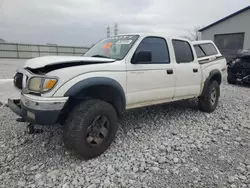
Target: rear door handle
x,y
195,70
170,71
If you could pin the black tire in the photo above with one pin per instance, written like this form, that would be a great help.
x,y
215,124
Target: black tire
x,y
230,78
233,82
209,102
77,125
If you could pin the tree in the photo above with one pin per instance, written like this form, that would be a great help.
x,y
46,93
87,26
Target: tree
x,y
2,40
194,34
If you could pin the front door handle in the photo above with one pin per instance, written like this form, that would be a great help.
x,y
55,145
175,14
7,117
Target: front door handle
x,y
195,70
170,71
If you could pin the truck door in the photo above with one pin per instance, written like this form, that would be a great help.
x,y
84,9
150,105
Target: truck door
x,y
188,71
154,81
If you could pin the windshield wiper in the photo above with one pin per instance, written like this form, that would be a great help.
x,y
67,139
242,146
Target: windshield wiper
x,y
100,56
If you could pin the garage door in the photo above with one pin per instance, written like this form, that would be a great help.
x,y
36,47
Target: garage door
x,y
229,44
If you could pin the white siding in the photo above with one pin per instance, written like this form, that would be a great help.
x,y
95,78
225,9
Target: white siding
x,y
235,24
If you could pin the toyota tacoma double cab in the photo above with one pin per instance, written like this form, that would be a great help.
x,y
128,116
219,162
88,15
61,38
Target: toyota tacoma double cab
x,y
87,94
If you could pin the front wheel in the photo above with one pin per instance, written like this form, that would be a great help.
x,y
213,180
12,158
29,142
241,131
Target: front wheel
x,y
90,128
209,101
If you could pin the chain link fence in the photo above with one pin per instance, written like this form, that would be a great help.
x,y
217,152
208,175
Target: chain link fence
x,y
26,51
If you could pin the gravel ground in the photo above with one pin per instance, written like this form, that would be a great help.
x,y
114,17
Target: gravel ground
x,y
8,91
170,145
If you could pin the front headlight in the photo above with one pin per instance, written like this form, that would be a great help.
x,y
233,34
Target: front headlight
x,y
41,84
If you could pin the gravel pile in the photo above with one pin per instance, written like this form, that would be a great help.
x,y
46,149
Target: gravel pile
x,y
170,145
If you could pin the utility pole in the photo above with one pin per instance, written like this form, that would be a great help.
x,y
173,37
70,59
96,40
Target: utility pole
x,y
108,31
116,29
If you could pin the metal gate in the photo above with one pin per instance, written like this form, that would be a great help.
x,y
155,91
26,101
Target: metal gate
x,y
19,51
229,44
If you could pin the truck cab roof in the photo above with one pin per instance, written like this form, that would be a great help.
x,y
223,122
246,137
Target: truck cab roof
x,y
154,34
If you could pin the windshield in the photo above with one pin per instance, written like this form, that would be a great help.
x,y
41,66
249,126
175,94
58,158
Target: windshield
x,y
115,47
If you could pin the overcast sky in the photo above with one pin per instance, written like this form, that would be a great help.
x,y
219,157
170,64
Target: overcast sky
x,y
83,22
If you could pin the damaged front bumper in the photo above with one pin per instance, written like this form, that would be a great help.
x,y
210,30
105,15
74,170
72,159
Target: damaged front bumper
x,y
38,110
239,68
239,75
245,79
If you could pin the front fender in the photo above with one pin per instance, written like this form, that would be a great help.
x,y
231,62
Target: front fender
x,y
97,81
83,84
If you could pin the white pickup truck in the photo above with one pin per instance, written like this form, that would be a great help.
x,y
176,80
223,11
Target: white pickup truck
x,y
87,94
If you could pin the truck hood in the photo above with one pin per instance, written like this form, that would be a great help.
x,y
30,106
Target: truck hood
x,y
40,62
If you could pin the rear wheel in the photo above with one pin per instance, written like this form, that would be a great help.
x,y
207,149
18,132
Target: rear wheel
x,y
209,101
90,128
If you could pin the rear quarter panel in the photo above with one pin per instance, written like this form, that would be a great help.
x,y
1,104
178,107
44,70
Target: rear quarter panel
x,y
212,62
217,64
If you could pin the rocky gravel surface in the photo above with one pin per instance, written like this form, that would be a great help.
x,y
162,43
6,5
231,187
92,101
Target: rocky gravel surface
x,y
170,145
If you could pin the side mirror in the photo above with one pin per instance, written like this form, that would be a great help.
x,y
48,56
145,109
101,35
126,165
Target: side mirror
x,y
142,57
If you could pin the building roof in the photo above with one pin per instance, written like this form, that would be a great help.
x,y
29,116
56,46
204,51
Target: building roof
x,y
225,18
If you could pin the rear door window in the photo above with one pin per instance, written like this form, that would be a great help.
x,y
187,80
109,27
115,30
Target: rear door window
x,y
183,51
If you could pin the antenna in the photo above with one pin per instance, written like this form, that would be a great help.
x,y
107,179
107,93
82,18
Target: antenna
x,y
108,31
116,29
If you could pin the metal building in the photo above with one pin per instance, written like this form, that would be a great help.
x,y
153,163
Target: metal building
x,y
231,33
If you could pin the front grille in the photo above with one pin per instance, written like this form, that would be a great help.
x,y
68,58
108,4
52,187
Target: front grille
x,y
18,80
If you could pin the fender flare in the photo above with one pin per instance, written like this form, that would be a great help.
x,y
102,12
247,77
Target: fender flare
x,y
213,74
86,83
